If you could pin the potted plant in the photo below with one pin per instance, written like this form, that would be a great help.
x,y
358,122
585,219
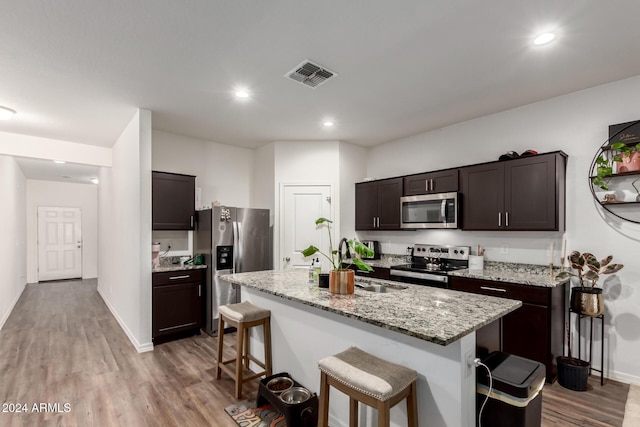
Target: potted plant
x,y
586,299
341,280
626,158
572,373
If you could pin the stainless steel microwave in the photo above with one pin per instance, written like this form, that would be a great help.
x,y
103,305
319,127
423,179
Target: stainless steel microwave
x,y
429,211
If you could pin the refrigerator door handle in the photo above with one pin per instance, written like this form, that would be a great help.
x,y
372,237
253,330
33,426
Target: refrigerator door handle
x,y
236,248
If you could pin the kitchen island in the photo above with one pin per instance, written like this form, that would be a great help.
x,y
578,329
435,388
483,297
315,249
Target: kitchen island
x,y
430,330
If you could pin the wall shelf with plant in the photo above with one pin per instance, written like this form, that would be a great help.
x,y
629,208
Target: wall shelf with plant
x,y
614,175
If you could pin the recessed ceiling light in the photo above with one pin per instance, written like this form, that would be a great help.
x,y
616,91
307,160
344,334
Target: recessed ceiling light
x,y
94,180
242,94
544,38
6,113
328,123
60,162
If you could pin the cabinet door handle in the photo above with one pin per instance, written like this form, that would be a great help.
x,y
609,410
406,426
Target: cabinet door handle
x,y
426,185
432,186
199,290
186,276
486,288
192,220
499,219
506,221
374,222
378,222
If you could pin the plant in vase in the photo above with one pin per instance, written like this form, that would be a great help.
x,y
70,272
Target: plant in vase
x,y
625,156
341,279
587,299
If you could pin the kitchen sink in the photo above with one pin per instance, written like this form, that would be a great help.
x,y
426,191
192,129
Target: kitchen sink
x,y
370,287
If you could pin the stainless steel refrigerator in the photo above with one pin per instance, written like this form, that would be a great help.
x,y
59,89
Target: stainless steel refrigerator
x,y
232,240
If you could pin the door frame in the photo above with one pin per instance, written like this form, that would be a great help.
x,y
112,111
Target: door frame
x,y
279,214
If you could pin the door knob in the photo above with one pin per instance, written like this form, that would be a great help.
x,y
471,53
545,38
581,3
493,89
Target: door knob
x,y
287,259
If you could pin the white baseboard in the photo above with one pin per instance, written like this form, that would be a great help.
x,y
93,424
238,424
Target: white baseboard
x,y
140,348
5,317
625,378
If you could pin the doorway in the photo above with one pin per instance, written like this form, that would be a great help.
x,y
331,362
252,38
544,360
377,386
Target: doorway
x,y
300,206
59,243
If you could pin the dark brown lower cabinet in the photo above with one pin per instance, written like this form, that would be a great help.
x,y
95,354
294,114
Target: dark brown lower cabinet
x,y
176,307
534,331
377,273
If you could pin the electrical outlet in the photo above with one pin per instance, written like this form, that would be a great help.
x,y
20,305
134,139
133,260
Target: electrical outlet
x,y
504,249
468,367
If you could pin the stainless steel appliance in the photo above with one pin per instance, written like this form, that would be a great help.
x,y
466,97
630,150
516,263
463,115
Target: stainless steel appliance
x,y
429,211
231,240
430,264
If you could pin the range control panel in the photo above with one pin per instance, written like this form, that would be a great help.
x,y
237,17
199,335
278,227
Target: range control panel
x,y
441,251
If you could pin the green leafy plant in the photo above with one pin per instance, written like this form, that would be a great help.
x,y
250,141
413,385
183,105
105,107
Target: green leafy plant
x,y
604,163
335,258
588,268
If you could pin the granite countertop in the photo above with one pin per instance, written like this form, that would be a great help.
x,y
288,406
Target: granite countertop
x,y
523,274
386,261
165,268
441,316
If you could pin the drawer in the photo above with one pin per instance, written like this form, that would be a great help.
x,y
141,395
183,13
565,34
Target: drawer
x,y
179,276
524,293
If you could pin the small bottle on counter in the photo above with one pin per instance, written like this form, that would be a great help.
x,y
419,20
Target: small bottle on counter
x,y
312,271
317,269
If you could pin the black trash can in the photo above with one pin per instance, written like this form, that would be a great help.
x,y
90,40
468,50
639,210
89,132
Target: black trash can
x,y
516,397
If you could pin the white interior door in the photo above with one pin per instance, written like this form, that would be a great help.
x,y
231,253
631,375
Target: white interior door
x,y
301,206
59,243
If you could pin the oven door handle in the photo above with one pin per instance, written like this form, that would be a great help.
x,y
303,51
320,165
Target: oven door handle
x,y
433,277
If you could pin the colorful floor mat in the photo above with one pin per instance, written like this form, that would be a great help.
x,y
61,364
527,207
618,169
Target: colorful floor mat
x,y
245,414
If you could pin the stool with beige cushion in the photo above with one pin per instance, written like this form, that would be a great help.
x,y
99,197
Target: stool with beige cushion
x,y
243,316
370,380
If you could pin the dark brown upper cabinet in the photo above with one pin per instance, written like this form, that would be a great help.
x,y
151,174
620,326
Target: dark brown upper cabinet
x,y
524,194
173,201
432,182
378,204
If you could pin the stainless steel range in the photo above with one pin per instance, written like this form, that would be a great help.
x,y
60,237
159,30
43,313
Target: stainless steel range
x,y
430,264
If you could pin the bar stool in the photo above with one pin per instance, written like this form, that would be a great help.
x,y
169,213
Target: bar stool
x,y
243,316
370,380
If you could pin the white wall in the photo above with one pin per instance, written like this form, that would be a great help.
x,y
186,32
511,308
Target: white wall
x,y
124,231
60,194
53,149
223,172
13,229
577,124
353,162
306,162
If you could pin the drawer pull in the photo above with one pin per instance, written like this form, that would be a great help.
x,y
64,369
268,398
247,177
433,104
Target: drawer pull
x,y
486,288
186,276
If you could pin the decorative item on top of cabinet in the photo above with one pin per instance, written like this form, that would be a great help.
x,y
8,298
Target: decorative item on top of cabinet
x,y
522,194
173,201
378,204
615,170
444,181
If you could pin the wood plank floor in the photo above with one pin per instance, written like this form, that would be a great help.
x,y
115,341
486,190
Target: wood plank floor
x,y
62,345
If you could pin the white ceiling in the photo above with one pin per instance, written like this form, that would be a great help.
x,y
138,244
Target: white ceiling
x,y
77,70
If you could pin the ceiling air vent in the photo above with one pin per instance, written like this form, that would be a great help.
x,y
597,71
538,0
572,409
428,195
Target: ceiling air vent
x,y
310,74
